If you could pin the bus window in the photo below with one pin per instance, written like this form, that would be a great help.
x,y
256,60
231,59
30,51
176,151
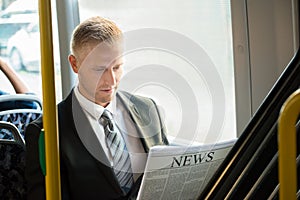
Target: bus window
x,y
180,54
20,44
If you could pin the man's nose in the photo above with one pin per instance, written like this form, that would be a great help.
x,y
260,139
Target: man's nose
x,y
110,77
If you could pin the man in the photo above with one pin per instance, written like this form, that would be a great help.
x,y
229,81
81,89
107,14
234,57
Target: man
x,y
104,134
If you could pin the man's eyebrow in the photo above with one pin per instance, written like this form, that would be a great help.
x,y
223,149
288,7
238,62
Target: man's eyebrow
x,y
99,67
119,64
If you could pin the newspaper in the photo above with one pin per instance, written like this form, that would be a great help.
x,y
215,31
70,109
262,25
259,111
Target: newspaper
x,y
181,172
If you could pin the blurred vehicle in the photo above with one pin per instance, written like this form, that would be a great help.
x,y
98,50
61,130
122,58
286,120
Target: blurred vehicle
x,y
16,16
23,48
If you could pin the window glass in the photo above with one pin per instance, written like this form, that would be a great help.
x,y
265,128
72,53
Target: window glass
x,y
20,43
180,54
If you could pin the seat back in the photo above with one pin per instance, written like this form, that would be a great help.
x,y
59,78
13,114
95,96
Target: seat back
x,y
20,118
12,164
17,111
28,109
19,101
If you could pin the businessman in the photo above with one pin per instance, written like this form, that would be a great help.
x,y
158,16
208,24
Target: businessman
x,y
104,134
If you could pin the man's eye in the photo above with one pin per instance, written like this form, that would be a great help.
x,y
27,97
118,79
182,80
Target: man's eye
x,y
116,68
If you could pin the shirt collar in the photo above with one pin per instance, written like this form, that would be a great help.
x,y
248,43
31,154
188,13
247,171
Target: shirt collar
x,y
91,108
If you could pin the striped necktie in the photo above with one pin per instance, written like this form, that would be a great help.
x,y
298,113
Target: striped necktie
x,y
117,147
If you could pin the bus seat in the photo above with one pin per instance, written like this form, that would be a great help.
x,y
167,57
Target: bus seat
x,y
19,116
19,101
12,164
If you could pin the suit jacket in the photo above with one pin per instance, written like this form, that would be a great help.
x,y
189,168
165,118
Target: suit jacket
x,y
85,170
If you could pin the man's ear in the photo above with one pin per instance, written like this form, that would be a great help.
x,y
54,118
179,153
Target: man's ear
x,y
73,62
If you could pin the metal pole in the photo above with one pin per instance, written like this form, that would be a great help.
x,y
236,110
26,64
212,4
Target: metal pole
x,y
287,146
53,190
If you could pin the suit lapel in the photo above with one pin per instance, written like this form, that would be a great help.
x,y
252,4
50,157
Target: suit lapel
x,y
91,143
139,121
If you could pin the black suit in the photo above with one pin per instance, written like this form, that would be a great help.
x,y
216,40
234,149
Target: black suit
x,y
84,172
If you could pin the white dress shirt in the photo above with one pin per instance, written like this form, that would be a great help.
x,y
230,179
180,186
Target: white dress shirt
x,y
94,111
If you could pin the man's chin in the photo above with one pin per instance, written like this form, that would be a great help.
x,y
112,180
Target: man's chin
x,y
104,100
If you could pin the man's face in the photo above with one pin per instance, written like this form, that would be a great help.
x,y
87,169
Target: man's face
x,y
99,69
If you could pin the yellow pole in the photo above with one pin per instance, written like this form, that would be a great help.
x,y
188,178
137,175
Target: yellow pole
x,y
287,146
53,191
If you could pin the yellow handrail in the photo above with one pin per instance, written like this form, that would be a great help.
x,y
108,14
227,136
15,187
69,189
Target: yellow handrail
x,y
287,146
53,190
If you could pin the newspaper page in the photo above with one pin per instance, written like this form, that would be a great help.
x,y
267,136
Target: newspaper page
x,y
181,172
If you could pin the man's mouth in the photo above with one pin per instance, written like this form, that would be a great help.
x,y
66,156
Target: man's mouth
x,y
107,90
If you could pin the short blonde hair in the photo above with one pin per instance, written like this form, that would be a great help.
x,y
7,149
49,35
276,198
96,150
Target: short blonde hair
x,y
94,31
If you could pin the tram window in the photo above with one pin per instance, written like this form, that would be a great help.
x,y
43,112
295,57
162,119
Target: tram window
x,y
20,43
162,71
